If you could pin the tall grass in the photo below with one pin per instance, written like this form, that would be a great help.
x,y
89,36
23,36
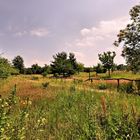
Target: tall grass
x,y
72,114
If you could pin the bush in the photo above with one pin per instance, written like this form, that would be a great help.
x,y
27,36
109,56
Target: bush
x,y
102,86
45,73
127,87
45,85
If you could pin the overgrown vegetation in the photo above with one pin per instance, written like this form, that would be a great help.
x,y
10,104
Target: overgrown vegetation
x,y
6,68
72,114
129,37
60,103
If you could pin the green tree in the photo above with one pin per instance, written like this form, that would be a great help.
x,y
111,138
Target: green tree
x,y
36,69
73,61
121,67
5,68
99,69
28,71
46,70
59,63
80,67
129,37
64,65
107,59
18,63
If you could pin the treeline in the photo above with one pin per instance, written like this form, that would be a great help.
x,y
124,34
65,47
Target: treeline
x,y
63,65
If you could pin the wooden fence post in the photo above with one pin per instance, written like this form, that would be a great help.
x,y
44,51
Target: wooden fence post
x,y
118,84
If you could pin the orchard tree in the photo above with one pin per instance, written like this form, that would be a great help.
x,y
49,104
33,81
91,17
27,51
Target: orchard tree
x,y
107,59
129,37
18,63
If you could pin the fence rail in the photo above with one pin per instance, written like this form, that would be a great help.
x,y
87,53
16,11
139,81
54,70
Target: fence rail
x,y
117,80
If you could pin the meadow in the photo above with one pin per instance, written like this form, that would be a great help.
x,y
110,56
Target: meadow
x,y
33,107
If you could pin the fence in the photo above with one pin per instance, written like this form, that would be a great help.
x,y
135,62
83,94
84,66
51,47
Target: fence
x,y
117,79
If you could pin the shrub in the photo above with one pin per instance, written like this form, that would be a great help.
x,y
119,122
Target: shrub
x,y
45,73
45,85
127,87
102,86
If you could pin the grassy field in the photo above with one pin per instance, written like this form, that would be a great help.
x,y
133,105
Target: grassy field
x,y
47,108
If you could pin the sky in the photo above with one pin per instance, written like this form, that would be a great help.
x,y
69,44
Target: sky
x,y
38,29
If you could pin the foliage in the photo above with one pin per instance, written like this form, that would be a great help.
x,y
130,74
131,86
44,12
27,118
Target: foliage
x,y
45,85
81,115
88,69
102,86
62,65
46,70
45,73
80,67
28,71
36,69
12,127
99,69
107,59
67,110
129,37
121,67
127,87
18,63
6,69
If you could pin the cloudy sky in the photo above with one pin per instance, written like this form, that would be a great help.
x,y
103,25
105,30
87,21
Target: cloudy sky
x,y
38,29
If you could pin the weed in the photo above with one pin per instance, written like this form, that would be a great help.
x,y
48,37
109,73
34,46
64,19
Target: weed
x,y
102,86
126,87
45,85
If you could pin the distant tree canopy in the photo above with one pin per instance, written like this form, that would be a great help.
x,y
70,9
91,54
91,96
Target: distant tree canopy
x,y
121,67
99,69
80,67
64,65
18,63
36,69
130,38
107,59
